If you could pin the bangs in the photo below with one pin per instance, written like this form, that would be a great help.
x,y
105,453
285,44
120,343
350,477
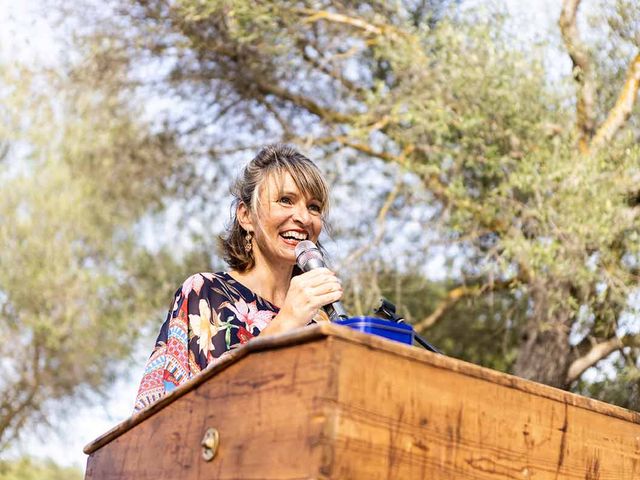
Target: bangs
x,y
309,181
306,177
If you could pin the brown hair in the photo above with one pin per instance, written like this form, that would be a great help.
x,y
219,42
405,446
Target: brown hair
x,y
271,160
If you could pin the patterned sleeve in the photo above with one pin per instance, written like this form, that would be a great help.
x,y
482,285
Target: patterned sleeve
x,y
209,316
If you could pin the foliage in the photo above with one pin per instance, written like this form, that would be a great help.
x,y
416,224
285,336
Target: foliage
x,y
485,330
623,389
458,104
80,170
545,236
30,469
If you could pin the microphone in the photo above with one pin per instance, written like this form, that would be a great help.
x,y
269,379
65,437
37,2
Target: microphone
x,y
308,257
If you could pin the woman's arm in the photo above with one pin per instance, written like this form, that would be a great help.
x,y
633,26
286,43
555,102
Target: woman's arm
x,y
307,293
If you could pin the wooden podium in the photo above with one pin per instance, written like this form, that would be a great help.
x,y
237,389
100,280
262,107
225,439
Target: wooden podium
x,y
326,402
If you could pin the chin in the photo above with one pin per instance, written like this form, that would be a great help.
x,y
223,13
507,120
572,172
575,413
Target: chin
x,y
286,257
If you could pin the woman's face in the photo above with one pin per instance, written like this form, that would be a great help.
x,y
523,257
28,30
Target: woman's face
x,y
285,216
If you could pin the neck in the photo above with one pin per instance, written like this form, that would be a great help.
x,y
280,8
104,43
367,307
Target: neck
x,y
267,280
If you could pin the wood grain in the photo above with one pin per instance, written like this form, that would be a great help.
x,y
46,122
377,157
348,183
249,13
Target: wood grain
x,y
400,418
268,410
327,402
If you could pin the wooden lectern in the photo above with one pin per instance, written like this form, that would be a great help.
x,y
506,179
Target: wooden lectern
x,y
326,402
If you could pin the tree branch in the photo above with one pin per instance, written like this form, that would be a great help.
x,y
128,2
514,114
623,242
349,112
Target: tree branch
x,y
431,181
582,73
19,401
304,102
453,297
360,24
367,149
622,108
380,226
286,132
598,352
332,73
316,15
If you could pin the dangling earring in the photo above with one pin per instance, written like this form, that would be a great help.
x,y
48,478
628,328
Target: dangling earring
x,y
247,242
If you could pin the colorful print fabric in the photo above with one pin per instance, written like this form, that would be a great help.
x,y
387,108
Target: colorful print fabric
x,y
212,314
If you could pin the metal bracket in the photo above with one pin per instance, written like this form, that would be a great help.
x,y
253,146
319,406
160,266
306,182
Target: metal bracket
x,y
210,443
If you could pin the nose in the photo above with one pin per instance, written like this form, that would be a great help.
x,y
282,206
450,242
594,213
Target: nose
x,y
301,214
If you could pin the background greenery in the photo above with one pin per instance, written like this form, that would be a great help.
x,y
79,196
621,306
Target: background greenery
x,y
29,469
484,181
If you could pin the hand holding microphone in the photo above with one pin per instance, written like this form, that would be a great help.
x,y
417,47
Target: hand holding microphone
x,y
310,259
309,292
317,287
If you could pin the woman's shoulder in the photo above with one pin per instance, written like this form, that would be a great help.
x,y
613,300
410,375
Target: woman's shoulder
x,y
220,288
210,284
201,280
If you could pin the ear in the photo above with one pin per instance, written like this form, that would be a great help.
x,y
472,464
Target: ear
x,y
245,219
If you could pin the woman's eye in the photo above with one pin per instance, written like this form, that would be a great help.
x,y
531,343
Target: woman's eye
x,y
315,208
285,200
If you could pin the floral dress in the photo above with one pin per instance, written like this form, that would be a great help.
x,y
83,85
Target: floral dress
x,y
212,313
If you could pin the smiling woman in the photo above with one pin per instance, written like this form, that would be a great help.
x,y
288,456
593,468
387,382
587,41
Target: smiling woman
x,y
281,199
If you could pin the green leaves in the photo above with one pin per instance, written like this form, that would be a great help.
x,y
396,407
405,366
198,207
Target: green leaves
x,y
543,234
467,108
26,468
81,171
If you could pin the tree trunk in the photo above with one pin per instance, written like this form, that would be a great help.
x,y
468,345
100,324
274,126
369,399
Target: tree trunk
x,y
545,355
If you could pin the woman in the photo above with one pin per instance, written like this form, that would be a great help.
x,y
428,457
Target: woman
x,y
280,199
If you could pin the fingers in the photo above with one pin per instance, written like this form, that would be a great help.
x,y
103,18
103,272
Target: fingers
x,y
328,288
329,297
316,277
321,283
315,288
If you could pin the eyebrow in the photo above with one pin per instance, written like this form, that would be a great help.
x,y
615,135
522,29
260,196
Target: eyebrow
x,y
297,194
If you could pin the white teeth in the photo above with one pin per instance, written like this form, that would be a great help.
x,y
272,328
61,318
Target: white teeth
x,y
295,235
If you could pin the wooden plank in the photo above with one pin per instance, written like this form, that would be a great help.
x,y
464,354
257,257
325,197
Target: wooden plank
x,y
321,331
258,344
454,365
268,408
327,402
401,418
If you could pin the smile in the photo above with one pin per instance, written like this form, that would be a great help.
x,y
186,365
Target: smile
x,y
294,236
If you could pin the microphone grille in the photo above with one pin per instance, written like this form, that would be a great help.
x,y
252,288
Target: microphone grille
x,y
306,250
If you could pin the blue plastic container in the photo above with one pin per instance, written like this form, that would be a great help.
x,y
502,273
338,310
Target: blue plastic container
x,y
400,332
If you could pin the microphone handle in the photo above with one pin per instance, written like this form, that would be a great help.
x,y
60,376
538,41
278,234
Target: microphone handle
x,y
335,311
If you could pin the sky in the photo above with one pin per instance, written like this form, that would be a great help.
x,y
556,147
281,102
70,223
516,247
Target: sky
x,y
25,34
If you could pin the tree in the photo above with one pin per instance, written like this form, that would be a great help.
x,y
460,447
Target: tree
x,y
482,329
28,469
536,207
79,170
